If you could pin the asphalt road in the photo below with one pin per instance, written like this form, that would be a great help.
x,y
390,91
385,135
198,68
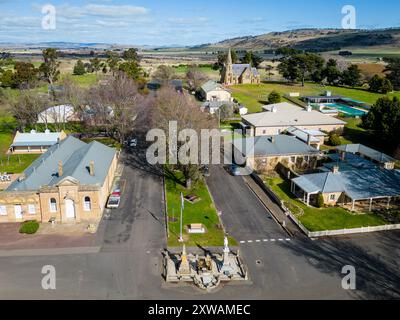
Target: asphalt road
x,y
128,265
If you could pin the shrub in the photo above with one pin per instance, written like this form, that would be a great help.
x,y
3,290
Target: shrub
x,y
29,227
274,97
334,140
320,201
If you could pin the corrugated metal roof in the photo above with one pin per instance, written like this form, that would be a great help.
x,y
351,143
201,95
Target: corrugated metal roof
x,y
357,184
36,139
366,151
75,156
273,146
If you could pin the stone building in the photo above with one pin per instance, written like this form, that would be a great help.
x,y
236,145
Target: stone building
x,y
70,182
239,73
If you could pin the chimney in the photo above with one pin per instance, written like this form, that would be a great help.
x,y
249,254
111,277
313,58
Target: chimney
x,y
60,169
335,169
309,139
91,168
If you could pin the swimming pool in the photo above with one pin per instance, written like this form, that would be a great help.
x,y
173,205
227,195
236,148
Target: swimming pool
x,y
346,109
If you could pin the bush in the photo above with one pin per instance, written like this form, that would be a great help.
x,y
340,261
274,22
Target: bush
x,y
29,227
334,140
320,201
274,97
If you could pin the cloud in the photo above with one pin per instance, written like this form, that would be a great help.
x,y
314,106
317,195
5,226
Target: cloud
x,y
114,11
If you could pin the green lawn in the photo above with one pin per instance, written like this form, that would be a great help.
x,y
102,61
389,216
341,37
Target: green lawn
x,y
203,212
333,218
182,70
254,96
110,142
85,80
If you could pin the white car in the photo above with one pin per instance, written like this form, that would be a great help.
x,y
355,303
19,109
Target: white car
x,y
113,202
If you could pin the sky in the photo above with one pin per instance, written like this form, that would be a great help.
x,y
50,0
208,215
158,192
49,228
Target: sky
x,y
178,22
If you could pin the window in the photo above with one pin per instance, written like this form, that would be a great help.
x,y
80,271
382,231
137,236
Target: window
x,y
264,131
3,210
332,197
87,205
31,209
53,205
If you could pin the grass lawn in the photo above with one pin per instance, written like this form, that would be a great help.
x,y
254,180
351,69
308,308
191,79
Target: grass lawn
x,y
203,212
85,80
110,142
315,219
254,96
210,72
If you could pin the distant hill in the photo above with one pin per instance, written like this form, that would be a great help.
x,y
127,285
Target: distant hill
x,y
314,40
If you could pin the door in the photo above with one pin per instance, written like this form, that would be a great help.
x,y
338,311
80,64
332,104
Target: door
x,y
70,209
18,211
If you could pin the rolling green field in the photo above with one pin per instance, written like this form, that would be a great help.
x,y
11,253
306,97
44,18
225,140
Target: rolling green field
x,y
182,69
333,218
255,96
202,211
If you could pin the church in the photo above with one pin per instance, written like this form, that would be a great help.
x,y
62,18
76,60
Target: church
x,y
239,73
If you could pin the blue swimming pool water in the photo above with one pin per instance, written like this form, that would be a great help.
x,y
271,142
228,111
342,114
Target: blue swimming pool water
x,y
347,110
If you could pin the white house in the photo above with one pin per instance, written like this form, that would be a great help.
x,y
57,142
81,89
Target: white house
x,y
212,91
57,114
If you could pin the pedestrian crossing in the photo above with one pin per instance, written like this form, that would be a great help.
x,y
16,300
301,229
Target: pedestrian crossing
x,y
272,240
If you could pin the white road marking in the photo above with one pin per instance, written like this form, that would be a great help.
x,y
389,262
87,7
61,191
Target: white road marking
x,y
265,240
258,240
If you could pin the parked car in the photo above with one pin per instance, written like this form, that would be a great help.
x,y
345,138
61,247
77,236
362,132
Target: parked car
x,y
234,170
113,202
206,171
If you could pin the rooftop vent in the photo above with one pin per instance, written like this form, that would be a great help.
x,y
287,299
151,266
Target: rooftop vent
x,y
33,131
47,131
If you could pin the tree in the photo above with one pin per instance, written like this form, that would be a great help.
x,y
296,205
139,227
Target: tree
x,y
27,108
25,74
393,69
226,112
289,69
352,76
79,68
222,57
96,64
182,108
269,70
332,72
195,77
334,139
383,120
165,73
49,68
380,85
131,55
251,58
308,63
118,107
131,69
274,97
7,79
320,201
113,60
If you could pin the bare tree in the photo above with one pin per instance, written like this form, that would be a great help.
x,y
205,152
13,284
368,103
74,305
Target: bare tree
x,y
172,106
27,107
118,106
164,73
195,77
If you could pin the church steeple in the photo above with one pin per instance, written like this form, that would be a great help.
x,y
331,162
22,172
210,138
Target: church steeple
x,y
227,78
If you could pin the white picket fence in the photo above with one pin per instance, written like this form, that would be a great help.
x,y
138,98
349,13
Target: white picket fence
x,y
327,233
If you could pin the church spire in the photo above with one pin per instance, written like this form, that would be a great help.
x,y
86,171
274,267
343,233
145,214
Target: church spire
x,y
227,74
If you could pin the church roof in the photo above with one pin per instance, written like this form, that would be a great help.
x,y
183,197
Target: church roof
x,y
238,69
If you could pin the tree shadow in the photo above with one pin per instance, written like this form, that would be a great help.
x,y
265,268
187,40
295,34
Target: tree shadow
x,y
377,266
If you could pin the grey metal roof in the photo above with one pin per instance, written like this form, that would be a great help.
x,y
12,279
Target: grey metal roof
x,y
36,139
75,156
357,184
273,146
303,134
238,69
210,86
366,151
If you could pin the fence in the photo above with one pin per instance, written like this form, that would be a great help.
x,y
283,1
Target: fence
x,y
325,233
